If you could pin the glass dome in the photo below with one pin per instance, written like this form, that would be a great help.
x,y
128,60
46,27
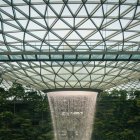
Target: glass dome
x,y
70,44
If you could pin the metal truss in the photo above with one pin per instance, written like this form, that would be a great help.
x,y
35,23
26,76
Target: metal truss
x,y
70,56
130,86
70,44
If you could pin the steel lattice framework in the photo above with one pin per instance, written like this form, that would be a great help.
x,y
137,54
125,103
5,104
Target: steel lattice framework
x,y
52,44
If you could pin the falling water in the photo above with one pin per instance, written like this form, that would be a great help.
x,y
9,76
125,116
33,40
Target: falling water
x,y
72,114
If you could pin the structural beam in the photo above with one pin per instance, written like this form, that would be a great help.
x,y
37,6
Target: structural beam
x,y
70,56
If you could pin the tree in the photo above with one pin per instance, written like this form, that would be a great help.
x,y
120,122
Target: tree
x,y
117,116
30,118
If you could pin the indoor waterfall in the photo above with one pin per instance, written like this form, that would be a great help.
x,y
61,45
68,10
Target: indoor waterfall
x,y
72,114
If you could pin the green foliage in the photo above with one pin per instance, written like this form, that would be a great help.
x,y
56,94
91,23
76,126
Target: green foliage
x,y
24,115
117,116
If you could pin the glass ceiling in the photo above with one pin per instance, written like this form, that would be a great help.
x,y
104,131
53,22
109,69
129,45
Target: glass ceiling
x,y
52,44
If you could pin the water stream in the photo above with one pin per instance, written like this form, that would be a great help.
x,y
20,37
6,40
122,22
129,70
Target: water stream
x,y
72,114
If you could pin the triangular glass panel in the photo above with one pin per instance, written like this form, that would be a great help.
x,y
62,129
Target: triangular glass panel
x,y
107,7
73,36
3,3
39,34
56,69
51,21
115,13
135,28
124,22
51,84
83,84
96,36
73,8
50,12
14,23
130,14
97,21
101,71
128,34
69,21
8,10
18,35
48,69
88,25
76,69
42,22
62,33
29,37
108,78
4,16
136,39
67,85
33,13
41,8
87,85
79,21
115,73
10,39
109,33
63,71
114,25
118,37
99,12
23,9
82,71
94,84
57,78
45,72
65,76
60,84
51,36
73,63
60,25
80,76
66,12
99,79
23,23
18,14
89,68
90,7
124,8
72,83
57,8
78,85
87,78
82,12
33,26
82,45
72,78
9,28
84,33
96,69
